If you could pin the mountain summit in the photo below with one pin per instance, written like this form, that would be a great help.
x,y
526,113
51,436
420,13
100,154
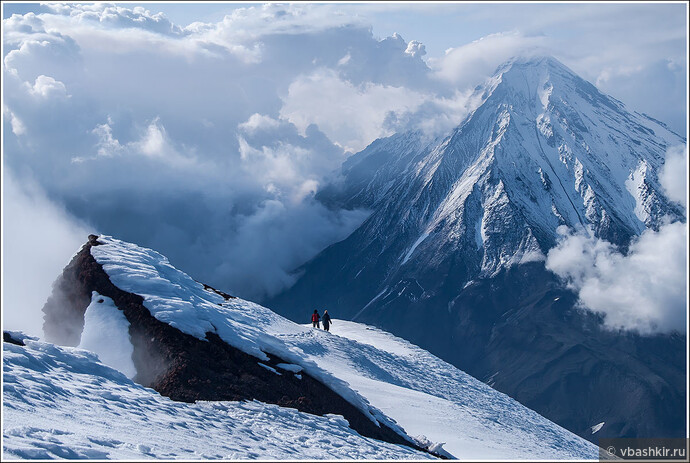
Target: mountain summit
x,y
545,148
452,254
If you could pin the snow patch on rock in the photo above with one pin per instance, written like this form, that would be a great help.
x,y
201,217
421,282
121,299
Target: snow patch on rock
x,y
106,333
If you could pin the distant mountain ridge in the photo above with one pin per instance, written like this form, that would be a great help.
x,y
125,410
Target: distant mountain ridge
x,y
480,207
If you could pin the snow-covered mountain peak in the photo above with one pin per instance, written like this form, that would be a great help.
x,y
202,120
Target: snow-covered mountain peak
x,y
473,213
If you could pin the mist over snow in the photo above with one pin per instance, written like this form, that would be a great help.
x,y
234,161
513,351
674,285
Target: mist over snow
x,y
106,334
208,140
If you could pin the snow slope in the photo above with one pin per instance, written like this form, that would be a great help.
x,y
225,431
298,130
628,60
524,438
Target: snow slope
x,y
432,399
62,402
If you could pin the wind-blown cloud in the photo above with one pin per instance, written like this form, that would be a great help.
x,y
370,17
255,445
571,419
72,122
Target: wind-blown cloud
x,y
673,175
468,64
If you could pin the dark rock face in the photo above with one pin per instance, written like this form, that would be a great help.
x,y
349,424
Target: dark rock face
x,y
64,310
185,368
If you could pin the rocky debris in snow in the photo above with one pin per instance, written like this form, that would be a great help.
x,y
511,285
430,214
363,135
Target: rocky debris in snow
x,y
7,336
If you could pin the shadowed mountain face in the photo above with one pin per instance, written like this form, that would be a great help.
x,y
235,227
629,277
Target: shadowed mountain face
x,y
451,257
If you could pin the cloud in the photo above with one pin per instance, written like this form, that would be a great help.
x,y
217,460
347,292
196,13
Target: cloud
x,y
255,22
39,239
47,87
468,65
17,125
285,163
110,15
154,144
276,238
107,145
673,174
643,290
359,116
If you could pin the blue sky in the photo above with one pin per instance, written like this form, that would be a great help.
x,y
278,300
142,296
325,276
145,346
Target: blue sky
x,y
204,131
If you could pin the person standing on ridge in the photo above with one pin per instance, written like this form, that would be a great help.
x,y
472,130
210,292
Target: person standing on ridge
x,y
315,319
326,320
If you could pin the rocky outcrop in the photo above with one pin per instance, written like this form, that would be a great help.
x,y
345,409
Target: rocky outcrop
x,y
185,368
7,337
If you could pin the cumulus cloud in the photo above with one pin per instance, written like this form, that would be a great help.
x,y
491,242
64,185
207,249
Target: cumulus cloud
x,y
39,239
643,290
47,87
287,164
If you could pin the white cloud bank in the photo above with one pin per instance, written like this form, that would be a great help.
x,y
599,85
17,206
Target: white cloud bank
x,y
352,115
643,291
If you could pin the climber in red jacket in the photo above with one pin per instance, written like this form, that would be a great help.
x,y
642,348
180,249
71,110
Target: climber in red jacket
x,y
315,319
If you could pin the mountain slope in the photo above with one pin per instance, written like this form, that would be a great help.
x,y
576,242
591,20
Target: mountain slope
x,y
478,209
372,371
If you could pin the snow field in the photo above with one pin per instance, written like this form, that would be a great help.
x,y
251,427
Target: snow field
x,y
62,403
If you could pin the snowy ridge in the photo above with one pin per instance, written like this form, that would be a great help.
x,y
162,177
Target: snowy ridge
x,y
433,399
173,297
63,403
395,382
